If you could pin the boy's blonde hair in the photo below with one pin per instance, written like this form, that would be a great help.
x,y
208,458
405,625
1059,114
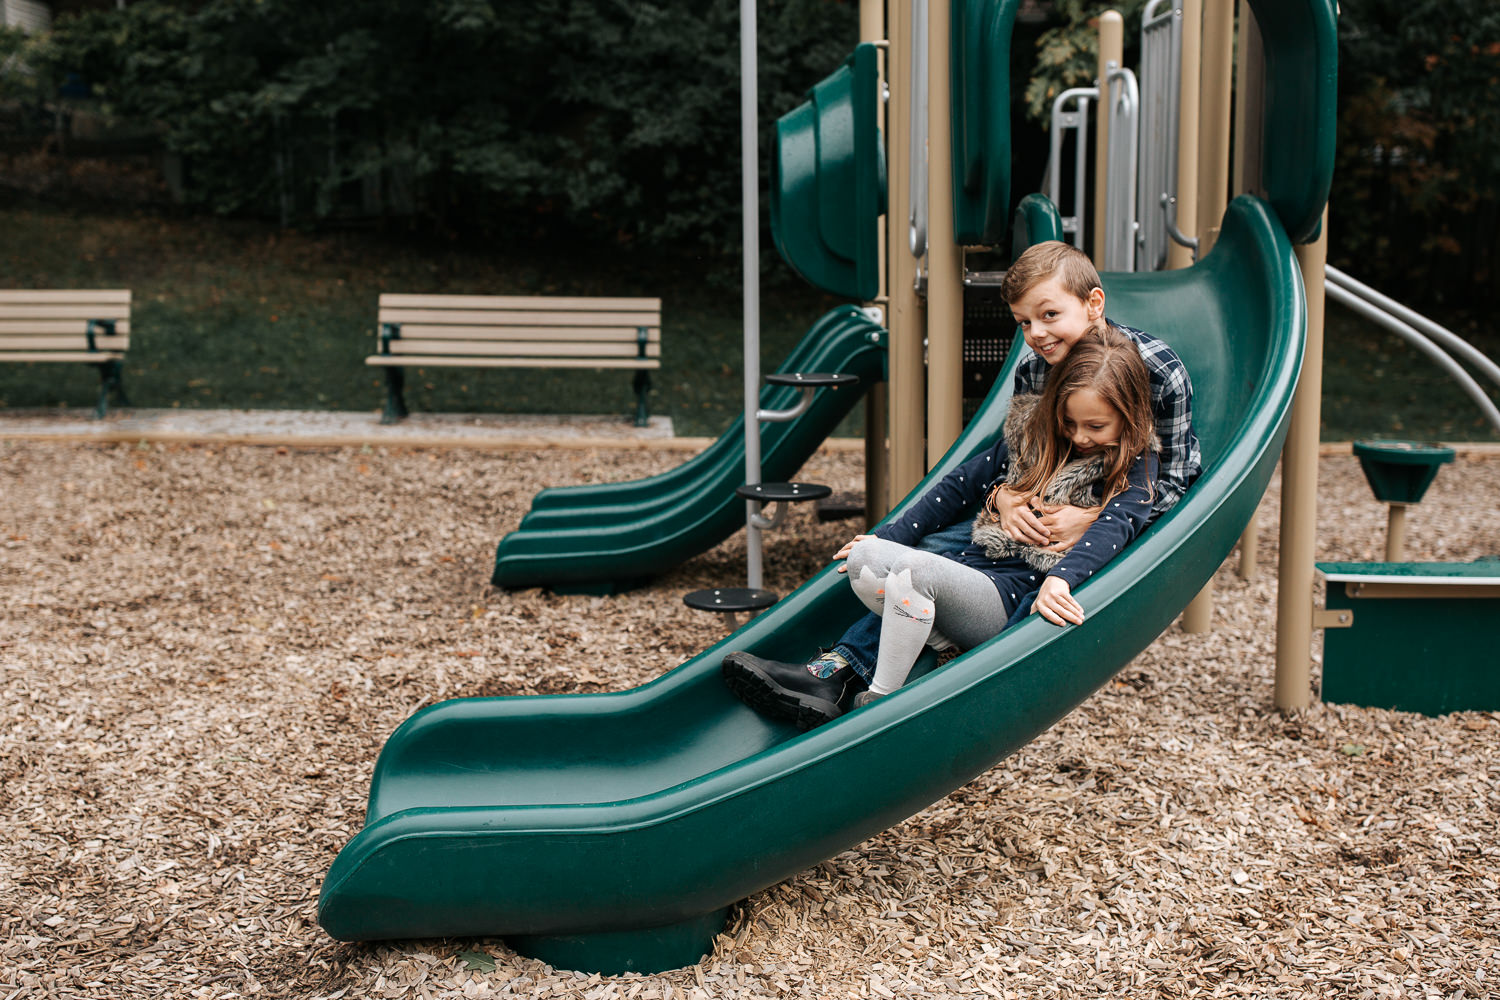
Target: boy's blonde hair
x,y
1051,259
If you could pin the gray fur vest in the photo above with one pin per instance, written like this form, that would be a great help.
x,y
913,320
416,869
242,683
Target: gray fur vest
x,y
1074,484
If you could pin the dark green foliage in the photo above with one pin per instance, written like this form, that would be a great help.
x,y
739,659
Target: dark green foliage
x,y
600,119
1416,197
1067,53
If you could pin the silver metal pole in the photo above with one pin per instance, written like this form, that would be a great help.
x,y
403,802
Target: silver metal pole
x,y
1441,334
1476,392
750,222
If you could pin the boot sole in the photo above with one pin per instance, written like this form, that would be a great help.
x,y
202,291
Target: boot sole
x,y
761,693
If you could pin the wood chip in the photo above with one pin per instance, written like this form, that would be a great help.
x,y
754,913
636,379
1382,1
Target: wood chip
x,y
204,650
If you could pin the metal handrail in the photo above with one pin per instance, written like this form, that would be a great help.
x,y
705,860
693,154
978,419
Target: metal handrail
x,y
1076,121
1441,334
1338,293
1124,142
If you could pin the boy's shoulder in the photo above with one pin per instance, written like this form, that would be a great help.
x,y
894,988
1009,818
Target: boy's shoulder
x,y
1157,353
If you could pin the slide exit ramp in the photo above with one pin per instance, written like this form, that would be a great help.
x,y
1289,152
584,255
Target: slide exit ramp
x,y
611,832
608,537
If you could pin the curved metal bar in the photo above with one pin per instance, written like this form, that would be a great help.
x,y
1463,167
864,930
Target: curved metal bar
x,y
791,412
1169,203
1447,338
1078,121
1476,392
1124,140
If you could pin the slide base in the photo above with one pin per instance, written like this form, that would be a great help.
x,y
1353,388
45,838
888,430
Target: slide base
x,y
610,953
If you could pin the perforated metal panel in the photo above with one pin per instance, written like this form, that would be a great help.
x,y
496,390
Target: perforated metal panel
x,y
989,330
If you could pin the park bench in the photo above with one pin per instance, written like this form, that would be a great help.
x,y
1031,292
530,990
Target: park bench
x,y
92,327
496,331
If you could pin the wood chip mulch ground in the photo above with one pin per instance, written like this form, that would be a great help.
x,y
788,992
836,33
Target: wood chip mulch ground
x,y
204,648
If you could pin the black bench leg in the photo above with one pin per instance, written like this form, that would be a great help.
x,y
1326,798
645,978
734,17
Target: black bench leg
x,y
642,386
111,380
395,396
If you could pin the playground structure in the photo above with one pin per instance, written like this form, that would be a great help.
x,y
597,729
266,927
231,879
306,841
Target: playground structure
x,y
613,831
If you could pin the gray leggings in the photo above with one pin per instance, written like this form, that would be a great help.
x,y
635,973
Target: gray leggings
x,y
963,603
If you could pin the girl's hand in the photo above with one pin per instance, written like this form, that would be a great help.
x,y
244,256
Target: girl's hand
x,y
843,553
1016,516
1054,602
1066,524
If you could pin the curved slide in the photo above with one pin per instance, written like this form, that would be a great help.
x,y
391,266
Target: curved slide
x,y
612,831
659,522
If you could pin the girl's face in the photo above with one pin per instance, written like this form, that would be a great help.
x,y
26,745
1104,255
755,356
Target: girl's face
x,y
1091,423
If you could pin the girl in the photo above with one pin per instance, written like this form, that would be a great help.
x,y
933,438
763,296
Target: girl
x,y
1088,439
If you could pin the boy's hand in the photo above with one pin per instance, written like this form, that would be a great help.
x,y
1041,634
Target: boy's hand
x,y
843,553
1066,525
1054,602
1018,518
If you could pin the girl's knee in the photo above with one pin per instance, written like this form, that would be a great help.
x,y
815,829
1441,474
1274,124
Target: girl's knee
x,y
868,554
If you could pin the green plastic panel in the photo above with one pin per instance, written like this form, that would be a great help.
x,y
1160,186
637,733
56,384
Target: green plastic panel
x,y
828,188
1400,471
1430,654
1036,221
1300,112
639,815
661,521
979,70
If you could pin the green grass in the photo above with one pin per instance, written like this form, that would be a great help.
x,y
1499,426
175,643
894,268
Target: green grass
x,y
240,315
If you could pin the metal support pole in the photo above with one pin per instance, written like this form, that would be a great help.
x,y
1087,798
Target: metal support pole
x,y
1189,83
1299,497
1111,57
1215,119
905,317
877,468
945,292
750,224
1395,533
1249,89
1199,612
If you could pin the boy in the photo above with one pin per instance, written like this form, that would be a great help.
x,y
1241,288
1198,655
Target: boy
x,y
1055,295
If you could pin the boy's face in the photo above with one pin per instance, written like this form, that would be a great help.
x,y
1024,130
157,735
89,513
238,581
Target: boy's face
x,y
1053,319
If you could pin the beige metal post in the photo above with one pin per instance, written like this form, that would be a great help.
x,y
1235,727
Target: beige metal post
x,y
1249,89
877,465
945,292
1299,497
1395,534
1187,132
1214,118
905,317
1111,51
1199,612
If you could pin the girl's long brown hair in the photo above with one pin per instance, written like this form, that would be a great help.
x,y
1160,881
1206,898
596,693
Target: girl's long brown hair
x,y
1109,363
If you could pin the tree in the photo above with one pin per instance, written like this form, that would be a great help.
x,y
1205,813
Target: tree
x,y
602,118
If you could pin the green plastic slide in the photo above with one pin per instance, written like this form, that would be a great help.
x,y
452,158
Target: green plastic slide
x,y
610,832
656,523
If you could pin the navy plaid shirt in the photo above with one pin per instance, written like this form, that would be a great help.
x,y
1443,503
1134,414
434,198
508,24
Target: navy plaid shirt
x,y
1171,403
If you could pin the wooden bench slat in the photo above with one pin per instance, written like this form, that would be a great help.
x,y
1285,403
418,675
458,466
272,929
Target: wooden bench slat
x,y
82,311
445,361
68,342
89,356
511,317
524,348
617,334
48,296
46,326
541,302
